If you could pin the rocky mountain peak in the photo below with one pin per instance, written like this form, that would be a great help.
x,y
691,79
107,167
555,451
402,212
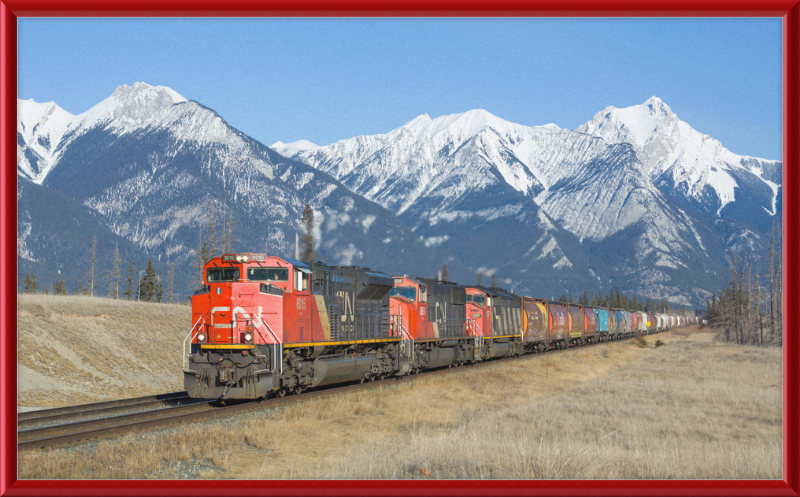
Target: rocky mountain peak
x,y
638,124
131,105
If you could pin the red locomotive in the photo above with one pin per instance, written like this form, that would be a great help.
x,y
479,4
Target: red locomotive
x,y
269,325
266,324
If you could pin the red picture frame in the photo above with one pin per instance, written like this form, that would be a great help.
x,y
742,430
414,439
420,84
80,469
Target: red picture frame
x,y
789,10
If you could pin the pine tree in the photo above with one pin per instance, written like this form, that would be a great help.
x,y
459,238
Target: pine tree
x,y
569,298
114,274
29,284
130,290
45,291
60,288
308,238
148,286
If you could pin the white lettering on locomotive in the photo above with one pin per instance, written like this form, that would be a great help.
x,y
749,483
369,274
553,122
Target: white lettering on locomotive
x,y
347,308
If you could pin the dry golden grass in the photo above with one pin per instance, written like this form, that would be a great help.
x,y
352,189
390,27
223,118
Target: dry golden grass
x,y
74,350
691,408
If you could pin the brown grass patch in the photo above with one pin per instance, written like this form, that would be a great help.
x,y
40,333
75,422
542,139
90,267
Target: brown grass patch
x,y
687,409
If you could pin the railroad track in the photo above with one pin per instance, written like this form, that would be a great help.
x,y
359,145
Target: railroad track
x,y
63,414
69,434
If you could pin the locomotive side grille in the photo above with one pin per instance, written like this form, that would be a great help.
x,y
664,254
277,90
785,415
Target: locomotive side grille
x,y
385,321
334,320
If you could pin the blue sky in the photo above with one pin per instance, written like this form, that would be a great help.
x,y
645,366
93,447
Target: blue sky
x,y
329,79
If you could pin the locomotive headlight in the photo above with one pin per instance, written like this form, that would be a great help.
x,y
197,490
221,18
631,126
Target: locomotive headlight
x,y
201,337
245,258
248,337
238,258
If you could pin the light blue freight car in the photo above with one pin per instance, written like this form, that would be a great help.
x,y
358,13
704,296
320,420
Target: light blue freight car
x,y
602,320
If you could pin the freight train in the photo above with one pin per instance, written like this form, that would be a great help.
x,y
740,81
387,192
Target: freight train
x,y
269,326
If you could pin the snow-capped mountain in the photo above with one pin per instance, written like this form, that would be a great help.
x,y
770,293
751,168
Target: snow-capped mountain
x,y
40,127
542,208
440,175
150,164
690,165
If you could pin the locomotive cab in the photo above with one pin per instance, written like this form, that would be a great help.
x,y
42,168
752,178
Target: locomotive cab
x,y
408,304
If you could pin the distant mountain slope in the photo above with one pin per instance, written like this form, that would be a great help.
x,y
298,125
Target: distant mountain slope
x,y
692,166
479,172
54,241
151,163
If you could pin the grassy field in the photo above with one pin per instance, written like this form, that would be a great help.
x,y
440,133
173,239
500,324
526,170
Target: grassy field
x,y
74,350
674,405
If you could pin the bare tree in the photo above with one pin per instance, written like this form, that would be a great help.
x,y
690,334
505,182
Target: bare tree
x,y
91,269
114,274
171,280
212,233
229,238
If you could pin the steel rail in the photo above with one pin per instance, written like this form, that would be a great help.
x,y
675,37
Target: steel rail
x,y
111,421
63,418
46,413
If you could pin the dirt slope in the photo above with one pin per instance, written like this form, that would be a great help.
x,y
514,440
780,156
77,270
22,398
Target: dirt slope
x,y
74,350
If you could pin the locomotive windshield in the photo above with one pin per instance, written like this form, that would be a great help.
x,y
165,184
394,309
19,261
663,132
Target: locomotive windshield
x,y
219,274
406,292
479,299
268,274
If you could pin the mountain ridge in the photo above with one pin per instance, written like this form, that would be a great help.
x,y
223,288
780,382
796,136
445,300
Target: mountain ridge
x,y
471,190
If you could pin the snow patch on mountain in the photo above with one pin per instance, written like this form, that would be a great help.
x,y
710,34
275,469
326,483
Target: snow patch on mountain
x,y
681,160
293,148
40,127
